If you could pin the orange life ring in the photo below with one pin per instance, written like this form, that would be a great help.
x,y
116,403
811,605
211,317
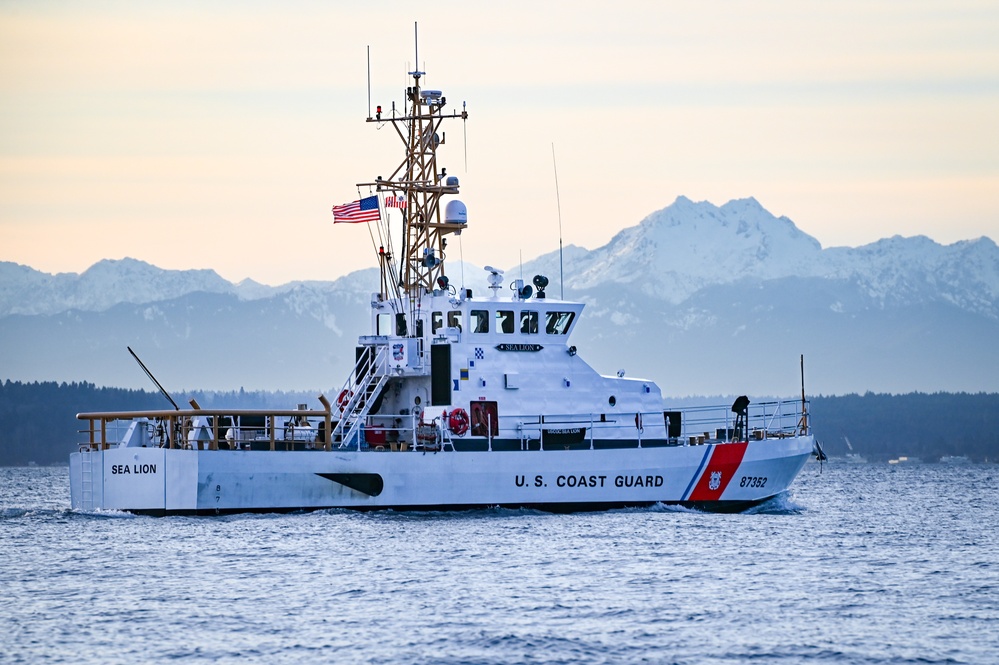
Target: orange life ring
x,y
343,398
458,421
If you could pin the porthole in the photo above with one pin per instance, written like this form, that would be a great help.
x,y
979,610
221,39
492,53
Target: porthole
x,y
612,401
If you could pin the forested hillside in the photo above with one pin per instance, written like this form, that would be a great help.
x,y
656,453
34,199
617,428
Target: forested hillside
x,y
38,420
928,426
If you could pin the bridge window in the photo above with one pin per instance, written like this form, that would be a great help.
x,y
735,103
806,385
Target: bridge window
x,y
529,323
558,323
504,321
479,320
436,322
454,320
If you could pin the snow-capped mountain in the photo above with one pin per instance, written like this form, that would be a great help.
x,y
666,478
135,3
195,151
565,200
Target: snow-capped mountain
x,y
679,250
105,284
702,298
909,270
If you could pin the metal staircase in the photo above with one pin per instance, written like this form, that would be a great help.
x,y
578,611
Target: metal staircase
x,y
358,395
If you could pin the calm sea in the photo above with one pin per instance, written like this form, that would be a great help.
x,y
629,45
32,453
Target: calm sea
x,y
859,564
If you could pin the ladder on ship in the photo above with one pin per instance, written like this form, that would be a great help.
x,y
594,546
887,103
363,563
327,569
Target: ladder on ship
x,y
87,480
358,396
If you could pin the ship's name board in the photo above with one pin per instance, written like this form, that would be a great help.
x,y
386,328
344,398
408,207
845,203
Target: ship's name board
x,y
583,480
519,347
125,469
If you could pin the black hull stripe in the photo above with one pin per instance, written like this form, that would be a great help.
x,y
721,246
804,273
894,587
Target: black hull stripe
x,y
567,507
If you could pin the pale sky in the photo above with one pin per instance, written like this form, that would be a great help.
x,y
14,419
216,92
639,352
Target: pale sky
x,y
219,134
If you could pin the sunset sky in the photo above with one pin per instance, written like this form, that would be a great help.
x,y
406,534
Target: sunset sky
x,y
219,134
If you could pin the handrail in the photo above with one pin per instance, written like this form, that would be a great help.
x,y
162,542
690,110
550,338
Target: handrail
x,y
360,388
174,426
188,427
163,414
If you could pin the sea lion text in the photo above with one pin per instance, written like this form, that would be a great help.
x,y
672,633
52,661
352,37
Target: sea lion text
x,y
118,469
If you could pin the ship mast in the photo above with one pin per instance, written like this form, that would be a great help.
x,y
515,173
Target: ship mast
x,y
422,183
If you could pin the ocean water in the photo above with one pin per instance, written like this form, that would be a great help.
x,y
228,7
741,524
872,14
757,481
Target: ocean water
x,y
858,564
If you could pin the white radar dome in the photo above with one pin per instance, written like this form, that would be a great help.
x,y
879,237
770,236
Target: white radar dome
x,y
455,213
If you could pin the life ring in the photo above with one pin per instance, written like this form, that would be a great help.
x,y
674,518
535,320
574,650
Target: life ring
x,y
458,421
343,399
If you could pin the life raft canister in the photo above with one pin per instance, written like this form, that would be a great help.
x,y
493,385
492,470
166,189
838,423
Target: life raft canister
x,y
457,422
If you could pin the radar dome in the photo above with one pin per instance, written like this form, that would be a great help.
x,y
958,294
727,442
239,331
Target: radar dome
x,y
455,213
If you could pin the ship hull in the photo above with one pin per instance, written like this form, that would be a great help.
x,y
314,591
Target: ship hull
x,y
162,481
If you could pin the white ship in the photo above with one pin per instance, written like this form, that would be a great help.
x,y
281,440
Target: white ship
x,y
457,400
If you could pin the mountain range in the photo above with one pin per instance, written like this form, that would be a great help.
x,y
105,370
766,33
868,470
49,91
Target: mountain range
x,y
704,299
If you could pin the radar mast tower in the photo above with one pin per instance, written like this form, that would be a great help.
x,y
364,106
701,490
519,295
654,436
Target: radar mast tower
x,y
422,184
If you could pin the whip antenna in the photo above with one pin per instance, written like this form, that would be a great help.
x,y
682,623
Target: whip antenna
x,y
153,378
416,48
561,280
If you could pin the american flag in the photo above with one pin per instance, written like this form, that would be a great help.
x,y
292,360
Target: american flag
x,y
365,210
395,201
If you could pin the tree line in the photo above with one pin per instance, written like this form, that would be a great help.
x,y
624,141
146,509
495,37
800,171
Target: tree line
x,y
38,420
925,425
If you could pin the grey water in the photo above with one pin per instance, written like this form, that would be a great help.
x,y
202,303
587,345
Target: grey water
x,y
857,564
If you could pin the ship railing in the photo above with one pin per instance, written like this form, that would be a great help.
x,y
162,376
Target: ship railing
x,y
302,429
573,430
690,426
210,429
764,420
